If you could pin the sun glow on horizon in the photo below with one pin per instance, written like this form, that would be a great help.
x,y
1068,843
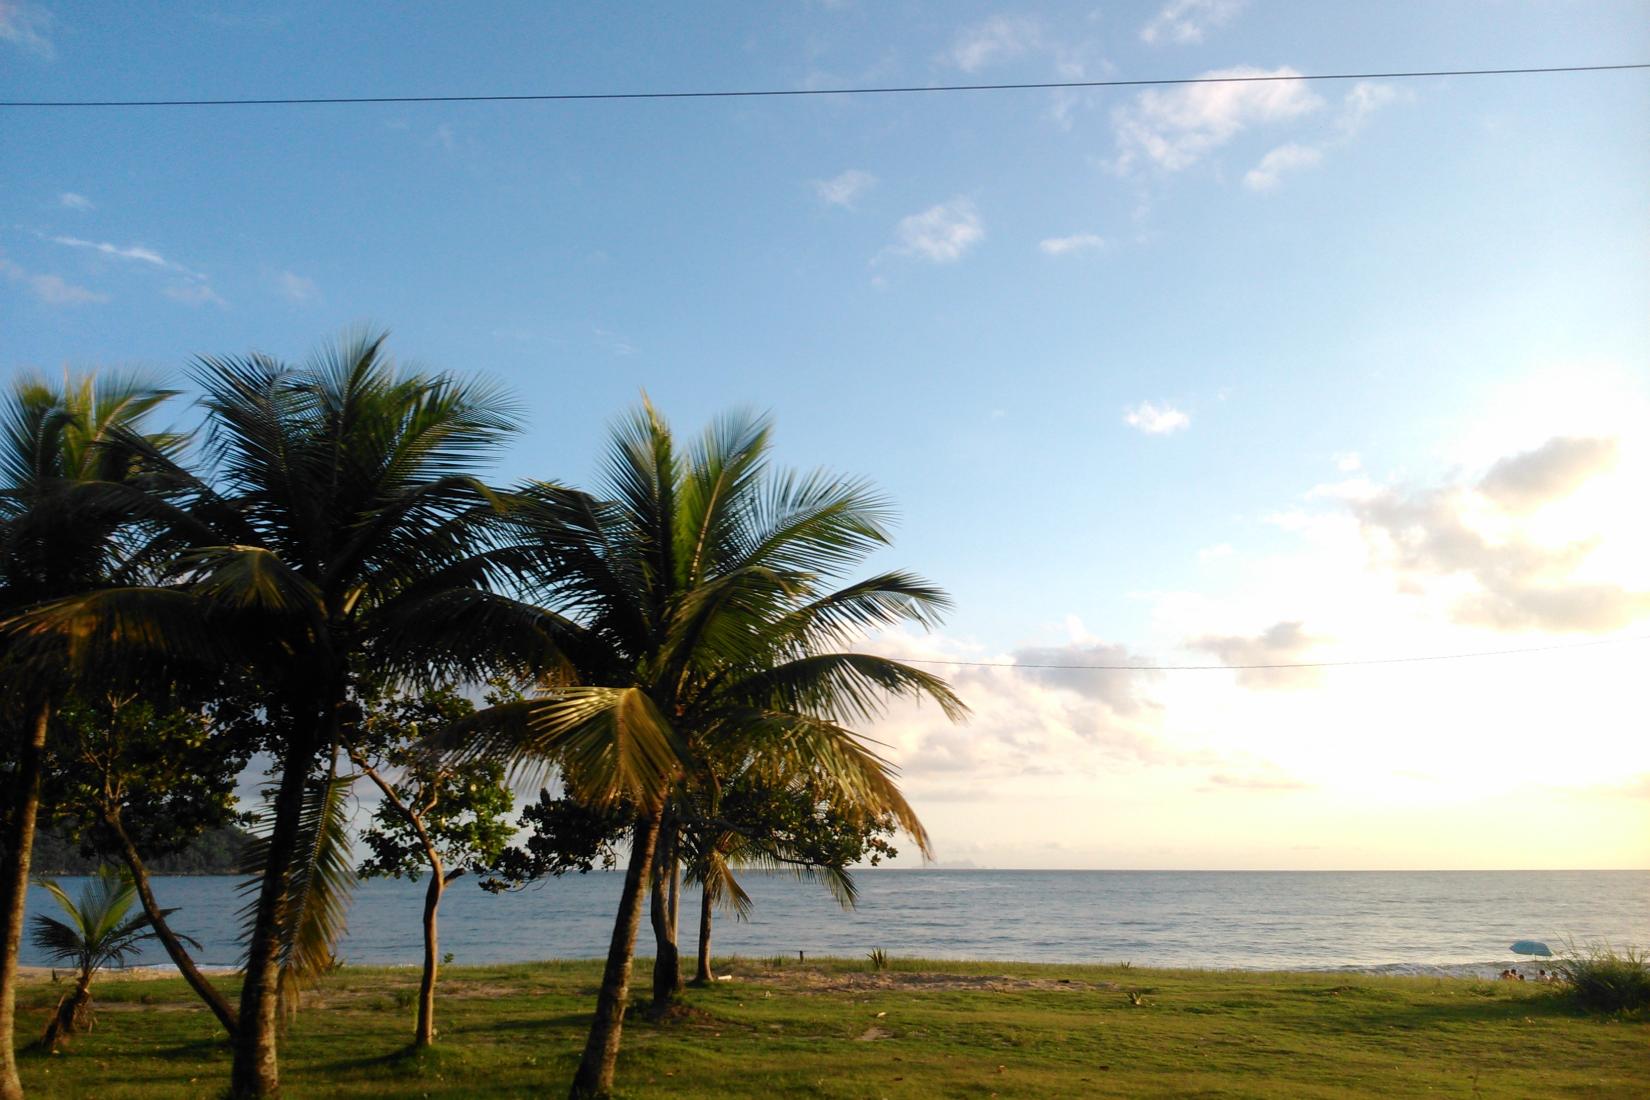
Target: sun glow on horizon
x,y
1526,760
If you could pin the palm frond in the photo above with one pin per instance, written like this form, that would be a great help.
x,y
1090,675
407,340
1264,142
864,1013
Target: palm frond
x,y
714,873
786,747
817,522
467,633
843,686
313,913
249,578
722,472
609,743
764,856
875,603
61,942
98,931
117,629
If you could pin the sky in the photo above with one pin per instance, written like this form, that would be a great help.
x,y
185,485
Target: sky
x,y
1214,375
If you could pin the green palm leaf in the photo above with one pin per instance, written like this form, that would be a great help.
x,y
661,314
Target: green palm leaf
x,y
610,744
314,913
97,931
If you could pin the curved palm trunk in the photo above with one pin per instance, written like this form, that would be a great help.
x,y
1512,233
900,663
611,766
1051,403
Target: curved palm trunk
x,y
594,1078
702,974
667,958
256,1070
180,957
69,1017
19,851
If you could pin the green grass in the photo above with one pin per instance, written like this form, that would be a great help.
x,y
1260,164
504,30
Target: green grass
x,y
838,1028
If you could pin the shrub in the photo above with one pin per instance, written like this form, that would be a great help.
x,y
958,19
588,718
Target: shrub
x,y
879,958
1604,980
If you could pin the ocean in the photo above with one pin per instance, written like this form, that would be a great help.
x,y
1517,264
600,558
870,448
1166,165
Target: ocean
x,y
1449,922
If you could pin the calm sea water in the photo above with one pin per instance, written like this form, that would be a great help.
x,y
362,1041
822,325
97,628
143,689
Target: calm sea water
x,y
1459,921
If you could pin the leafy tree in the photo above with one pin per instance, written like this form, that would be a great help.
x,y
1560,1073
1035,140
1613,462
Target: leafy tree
x,y
772,828
56,539
144,775
704,633
98,932
560,834
441,815
338,526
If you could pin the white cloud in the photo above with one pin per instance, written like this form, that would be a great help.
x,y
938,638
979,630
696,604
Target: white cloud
x,y
71,201
1348,462
1000,38
1120,688
1285,158
1186,21
27,26
1079,242
195,290
845,188
296,288
137,252
613,343
941,234
193,294
1174,129
1285,643
1154,419
1361,103
1489,551
51,289
1525,481
1265,781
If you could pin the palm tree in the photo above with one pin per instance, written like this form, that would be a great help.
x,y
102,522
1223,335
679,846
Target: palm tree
x,y
97,933
339,527
701,587
55,440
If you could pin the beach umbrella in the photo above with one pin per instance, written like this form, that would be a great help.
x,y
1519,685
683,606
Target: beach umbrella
x,y
1531,947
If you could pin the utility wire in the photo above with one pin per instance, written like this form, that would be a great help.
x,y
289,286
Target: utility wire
x,y
566,97
1282,665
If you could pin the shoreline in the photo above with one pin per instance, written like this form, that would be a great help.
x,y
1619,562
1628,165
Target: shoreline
x,y
1485,970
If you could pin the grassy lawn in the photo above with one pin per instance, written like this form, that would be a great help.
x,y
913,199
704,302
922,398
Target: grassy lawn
x,y
835,1028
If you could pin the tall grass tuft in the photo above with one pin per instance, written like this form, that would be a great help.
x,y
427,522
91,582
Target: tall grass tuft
x,y
1605,980
878,957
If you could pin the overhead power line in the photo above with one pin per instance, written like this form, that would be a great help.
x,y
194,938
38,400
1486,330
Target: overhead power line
x,y
754,93
1283,664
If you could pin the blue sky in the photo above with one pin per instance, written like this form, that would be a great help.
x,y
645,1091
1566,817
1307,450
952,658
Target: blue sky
x,y
1149,370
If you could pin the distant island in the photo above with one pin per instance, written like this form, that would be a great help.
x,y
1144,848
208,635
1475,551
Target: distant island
x,y
217,852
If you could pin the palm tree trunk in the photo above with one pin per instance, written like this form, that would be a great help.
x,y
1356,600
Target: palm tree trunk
x,y
702,974
594,1079
66,1019
157,919
676,889
667,957
424,1035
19,849
256,1071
